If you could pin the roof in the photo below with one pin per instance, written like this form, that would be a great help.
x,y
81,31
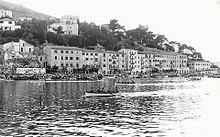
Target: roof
x,y
81,49
6,19
62,47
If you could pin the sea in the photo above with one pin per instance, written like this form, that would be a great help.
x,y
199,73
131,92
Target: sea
x,y
171,107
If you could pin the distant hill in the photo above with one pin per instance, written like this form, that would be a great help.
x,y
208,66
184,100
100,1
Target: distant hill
x,y
20,11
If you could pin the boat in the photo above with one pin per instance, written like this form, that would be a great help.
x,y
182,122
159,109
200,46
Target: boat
x,y
125,82
87,94
194,78
102,93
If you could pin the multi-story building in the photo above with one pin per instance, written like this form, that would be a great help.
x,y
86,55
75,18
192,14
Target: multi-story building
x,y
5,13
112,61
73,57
62,56
134,60
148,60
17,49
68,23
198,65
7,23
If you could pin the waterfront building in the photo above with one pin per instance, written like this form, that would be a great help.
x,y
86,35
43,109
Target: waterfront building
x,y
73,57
7,23
17,49
68,23
133,60
199,65
147,61
112,61
5,13
63,56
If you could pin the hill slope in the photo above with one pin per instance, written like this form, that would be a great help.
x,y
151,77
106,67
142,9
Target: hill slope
x,y
20,11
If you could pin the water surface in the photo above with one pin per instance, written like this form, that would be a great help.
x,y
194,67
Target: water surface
x,y
168,109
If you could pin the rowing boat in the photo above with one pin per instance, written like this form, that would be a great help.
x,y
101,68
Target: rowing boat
x,y
100,94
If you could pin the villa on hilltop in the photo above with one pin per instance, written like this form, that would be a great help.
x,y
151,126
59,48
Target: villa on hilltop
x,y
68,23
6,21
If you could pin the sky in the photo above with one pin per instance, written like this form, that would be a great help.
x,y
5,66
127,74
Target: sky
x,y
192,22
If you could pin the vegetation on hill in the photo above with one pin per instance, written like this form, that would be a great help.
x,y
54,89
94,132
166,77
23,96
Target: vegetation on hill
x,y
112,36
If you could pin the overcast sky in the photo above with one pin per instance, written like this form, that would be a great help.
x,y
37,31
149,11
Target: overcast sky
x,y
194,22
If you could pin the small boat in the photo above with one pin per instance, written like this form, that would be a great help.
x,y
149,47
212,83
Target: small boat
x,y
125,82
194,78
100,94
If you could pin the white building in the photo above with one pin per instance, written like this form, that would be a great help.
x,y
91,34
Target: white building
x,y
5,13
134,61
68,23
198,65
17,49
7,23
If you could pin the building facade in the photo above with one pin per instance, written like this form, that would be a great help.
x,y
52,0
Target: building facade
x,y
7,23
73,57
68,23
17,49
199,65
5,13
62,56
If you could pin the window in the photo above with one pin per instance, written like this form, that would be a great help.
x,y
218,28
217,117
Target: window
x,y
71,64
87,53
55,51
104,65
9,22
77,58
77,65
83,53
104,55
71,52
67,65
66,58
67,52
103,60
96,59
61,57
55,57
110,60
87,58
61,65
22,49
41,58
90,58
91,54
29,49
96,54
71,58
61,51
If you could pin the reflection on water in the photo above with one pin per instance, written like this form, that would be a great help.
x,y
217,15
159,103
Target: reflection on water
x,y
170,109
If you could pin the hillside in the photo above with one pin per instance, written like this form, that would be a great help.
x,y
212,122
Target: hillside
x,y
20,11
